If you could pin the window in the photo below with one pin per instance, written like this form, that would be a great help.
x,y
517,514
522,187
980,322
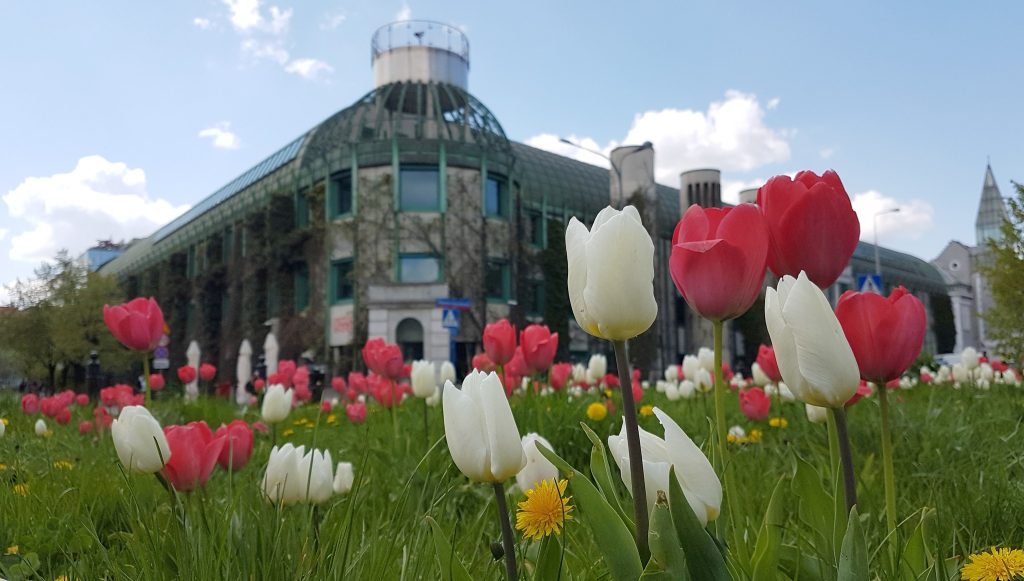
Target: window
x,y
497,280
419,268
342,286
496,196
409,336
535,296
301,287
535,226
226,248
190,263
302,208
341,193
273,300
419,189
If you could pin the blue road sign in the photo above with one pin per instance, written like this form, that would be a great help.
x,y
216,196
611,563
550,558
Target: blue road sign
x,y
450,319
870,283
454,303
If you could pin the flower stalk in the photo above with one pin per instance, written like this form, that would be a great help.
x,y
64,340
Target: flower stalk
x,y
845,456
723,453
636,465
887,468
507,541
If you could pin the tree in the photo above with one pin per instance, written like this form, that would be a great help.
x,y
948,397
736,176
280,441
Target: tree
x,y
1004,270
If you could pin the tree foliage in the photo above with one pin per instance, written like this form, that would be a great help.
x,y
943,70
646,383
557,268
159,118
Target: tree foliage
x,y
1004,269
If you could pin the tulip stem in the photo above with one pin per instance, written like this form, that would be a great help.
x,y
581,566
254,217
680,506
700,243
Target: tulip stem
x,y
636,465
145,375
887,466
394,410
507,541
723,437
845,457
426,425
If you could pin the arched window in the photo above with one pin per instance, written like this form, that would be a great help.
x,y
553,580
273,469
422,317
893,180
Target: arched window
x,y
409,336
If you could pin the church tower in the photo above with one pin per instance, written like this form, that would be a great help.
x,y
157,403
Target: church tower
x,y
991,211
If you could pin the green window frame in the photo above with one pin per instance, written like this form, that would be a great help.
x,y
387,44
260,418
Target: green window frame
x,y
342,282
498,280
342,195
301,281
419,188
420,268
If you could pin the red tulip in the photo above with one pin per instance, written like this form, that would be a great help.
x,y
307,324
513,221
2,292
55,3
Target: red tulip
x,y
207,372
82,400
863,390
482,362
286,368
383,358
237,449
84,427
560,373
539,345
260,427
357,381
325,407
885,333
338,383
610,380
356,412
63,416
766,361
755,404
500,341
1000,366
186,374
194,453
258,385
30,404
137,324
103,418
638,390
517,366
156,382
812,223
302,393
718,261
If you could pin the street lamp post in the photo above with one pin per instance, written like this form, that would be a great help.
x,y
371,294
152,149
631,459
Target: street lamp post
x,y
878,262
618,170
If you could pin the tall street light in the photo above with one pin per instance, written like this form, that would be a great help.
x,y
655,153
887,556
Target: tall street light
x,y
878,262
618,170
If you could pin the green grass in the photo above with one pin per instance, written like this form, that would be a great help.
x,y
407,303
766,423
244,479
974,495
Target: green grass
x,y
957,451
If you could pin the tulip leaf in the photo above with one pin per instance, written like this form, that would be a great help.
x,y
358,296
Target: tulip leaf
x,y
611,535
667,558
798,564
451,568
916,556
601,469
816,507
550,562
853,559
703,558
766,551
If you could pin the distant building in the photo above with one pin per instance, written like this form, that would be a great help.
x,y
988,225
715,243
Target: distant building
x,y
104,251
968,290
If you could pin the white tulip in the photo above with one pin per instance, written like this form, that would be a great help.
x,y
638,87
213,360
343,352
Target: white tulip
x,y
611,274
737,381
758,375
343,478
482,435
813,354
970,358
41,427
672,391
277,404
660,386
672,373
984,384
598,366
294,475
139,440
737,432
906,382
771,390
706,357
985,372
537,468
423,379
447,372
704,382
1010,377
815,414
687,389
579,373
960,373
690,366
944,375
434,399
785,392
700,484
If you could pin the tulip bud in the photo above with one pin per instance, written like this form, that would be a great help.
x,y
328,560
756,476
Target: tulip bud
x,y
687,389
812,352
277,404
816,414
672,373
537,468
40,427
434,398
344,477
737,432
970,358
690,366
611,274
758,375
447,372
423,379
706,357
139,440
672,391
482,435
294,475
597,366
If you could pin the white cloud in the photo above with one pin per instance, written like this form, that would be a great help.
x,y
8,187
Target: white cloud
x,y
914,219
271,50
221,136
98,199
332,21
201,23
731,135
310,69
405,13
245,14
731,188
827,152
553,143
772,103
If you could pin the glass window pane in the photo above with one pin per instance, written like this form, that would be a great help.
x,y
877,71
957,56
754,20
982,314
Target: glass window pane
x,y
343,287
495,195
497,280
419,269
419,188
341,192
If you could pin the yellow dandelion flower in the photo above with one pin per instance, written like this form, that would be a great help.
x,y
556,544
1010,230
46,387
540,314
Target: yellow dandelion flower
x,y
996,565
545,510
63,465
12,550
754,436
287,432
607,393
3,467
732,439
4,420
21,489
778,423
298,422
597,411
62,578
646,410
332,418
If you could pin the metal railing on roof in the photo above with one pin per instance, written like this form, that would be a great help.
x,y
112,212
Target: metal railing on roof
x,y
419,33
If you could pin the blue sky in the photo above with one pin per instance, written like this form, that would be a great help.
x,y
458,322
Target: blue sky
x,y
114,116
